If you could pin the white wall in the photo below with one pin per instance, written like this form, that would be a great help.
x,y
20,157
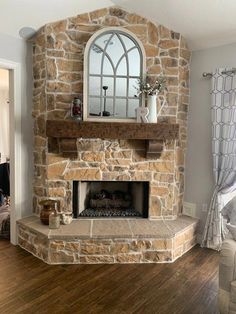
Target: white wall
x,y
17,50
199,181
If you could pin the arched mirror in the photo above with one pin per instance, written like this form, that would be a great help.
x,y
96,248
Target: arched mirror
x,y
114,61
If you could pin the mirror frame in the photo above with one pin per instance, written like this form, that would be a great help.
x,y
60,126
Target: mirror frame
x,y
86,74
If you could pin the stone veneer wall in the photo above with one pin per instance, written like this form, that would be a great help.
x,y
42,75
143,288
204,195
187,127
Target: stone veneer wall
x,y
58,77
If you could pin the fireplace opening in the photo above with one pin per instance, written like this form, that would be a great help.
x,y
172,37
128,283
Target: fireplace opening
x,y
110,199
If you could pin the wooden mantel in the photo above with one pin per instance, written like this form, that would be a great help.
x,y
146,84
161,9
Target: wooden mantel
x,y
154,133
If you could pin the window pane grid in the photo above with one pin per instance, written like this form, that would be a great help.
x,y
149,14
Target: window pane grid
x,y
124,90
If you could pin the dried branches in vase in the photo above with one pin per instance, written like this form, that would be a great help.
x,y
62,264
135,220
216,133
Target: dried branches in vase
x,y
151,90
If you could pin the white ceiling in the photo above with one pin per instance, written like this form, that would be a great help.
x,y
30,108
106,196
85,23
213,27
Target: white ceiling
x,y
204,23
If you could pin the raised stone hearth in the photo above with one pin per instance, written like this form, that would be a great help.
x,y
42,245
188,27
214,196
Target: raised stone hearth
x,y
108,241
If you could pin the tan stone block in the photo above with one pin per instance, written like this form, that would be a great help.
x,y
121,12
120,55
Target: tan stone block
x,y
110,176
140,245
69,65
121,154
179,240
140,166
27,246
151,51
164,32
120,162
98,14
155,69
155,207
189,244
168,155
96,259
178,252
56,192
111,21
190,233
185,54
81,18
159,191
70,77
72,246
172,99
82,174
157,256
166,178
118,12
174,52
53,158
139,30
162,244
93,156
165,166
57,115
135,19
57,245
51,69
39,141
55,53
59,26
23,233
39,191
120,248
172,81
77,87
55,171
169,62
128,258
152,33
141,175
168,43
123,177
170,71
58,87
61,258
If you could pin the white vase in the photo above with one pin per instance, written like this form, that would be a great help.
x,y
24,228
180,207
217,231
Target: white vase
x,y
152,107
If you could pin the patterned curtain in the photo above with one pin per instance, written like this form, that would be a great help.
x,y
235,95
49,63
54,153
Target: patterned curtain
x,y
224,152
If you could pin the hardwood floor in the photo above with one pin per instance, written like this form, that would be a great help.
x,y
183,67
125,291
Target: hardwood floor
x,y
27,285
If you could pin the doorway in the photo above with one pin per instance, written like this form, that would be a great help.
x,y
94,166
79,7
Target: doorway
x,y
5,206
15,142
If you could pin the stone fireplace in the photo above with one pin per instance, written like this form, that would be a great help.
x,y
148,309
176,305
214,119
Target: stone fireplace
x,y
62,160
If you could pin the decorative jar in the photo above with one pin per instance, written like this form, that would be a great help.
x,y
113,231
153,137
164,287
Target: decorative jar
x,y
48,207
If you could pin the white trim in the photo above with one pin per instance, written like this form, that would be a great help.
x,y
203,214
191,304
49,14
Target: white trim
x,y
85,78
15,142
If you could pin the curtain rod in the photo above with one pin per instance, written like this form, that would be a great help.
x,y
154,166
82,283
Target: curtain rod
x,y
210,74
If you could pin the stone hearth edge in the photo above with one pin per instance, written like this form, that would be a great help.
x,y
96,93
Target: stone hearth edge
x,y
94,241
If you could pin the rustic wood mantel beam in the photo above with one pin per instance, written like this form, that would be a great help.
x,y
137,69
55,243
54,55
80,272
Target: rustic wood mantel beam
x,y
155,134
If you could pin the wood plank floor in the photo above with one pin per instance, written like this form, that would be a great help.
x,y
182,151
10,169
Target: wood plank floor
x,y
27,285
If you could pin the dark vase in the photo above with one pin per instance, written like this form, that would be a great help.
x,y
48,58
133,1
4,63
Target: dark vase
x,y
48,207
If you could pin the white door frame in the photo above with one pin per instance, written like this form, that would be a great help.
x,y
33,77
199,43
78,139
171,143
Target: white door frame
x,y
15,142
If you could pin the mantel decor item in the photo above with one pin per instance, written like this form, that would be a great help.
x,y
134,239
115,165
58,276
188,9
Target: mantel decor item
x,y
48,207
152,90
76,108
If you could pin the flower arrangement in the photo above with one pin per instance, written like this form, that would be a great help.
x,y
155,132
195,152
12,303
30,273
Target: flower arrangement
x,y
145,86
